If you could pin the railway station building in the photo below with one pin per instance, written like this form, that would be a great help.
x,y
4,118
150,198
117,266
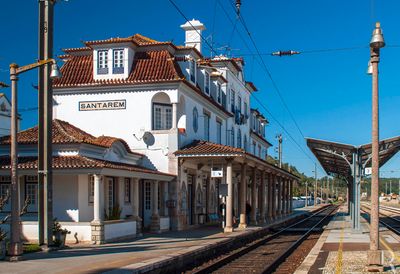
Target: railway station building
x,y
182,119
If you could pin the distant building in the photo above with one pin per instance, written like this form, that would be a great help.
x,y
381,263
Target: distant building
x,y
5,115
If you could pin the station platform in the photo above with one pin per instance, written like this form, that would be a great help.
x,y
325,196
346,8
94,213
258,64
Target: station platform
x,y
152,251
340,249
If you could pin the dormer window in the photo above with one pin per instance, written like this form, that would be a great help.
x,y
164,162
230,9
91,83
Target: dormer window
x,y
118,61
207,82
102,62
3,107
219,99
192,71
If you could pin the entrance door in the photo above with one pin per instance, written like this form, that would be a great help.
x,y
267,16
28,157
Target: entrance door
x,y
190,199
147,204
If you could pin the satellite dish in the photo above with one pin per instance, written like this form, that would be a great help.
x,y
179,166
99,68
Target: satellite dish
x,y
148,138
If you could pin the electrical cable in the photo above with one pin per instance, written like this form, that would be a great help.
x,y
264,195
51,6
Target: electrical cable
x,y
259,102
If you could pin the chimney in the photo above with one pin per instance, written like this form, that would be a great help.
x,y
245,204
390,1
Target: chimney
x,y
193,31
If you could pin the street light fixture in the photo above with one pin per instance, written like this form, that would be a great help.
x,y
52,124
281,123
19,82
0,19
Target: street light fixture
x,y
15,231
374,254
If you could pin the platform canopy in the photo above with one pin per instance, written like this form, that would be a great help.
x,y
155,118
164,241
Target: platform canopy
x,y
336,158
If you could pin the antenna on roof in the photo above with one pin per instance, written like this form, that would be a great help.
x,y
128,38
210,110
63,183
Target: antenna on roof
x,y
238,4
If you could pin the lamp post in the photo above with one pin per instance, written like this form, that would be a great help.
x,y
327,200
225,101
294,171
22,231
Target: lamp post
x,y
15,243
375,255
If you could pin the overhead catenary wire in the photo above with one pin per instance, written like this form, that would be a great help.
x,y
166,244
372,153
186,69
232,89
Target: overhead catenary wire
x,y
268,72
259,102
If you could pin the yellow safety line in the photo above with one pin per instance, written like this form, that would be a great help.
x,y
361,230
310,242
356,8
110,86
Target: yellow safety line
x,y
340,251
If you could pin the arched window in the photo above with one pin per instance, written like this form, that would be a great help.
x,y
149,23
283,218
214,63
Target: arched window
x,y
239,139
195,119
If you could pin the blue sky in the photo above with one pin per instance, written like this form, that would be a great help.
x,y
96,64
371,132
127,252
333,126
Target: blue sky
x,y
328,93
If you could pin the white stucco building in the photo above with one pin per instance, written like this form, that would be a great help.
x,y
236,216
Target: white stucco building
x,y
96,192
5,115
188,115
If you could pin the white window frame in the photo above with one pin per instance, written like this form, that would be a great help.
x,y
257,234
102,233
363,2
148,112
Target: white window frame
x,y
219,95
206,82
239,139
219,132
206,126
232,136
118,61
233,101
192,71
164,121
102,61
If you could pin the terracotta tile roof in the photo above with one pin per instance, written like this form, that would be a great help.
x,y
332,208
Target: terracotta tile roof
x,y
137,39
151,66
251,86
65,133
200,147
76,162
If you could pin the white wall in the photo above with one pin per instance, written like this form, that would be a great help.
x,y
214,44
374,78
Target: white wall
x,y
85,208
122,123
115,230
83,231
65,198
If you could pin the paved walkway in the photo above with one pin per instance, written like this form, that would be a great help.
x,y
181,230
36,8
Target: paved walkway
x,y
121,257
342,250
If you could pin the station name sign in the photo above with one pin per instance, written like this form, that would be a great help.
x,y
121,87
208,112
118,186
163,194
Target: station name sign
x,y
102,105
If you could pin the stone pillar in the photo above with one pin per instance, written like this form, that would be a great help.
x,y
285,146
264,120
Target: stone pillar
x,y
135,205
229,198
279,207
270,195
274,196
162,198
243,195
291,196
174,115
155,217
253,214
97,225
262,193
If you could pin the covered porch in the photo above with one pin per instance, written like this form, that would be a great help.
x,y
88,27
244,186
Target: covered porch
x,y
98,201
257,192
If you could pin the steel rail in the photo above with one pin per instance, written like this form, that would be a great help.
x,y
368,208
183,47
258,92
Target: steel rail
x,y
252,246
390,227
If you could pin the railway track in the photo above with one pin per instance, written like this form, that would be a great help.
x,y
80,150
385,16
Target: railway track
x,y
268,254
390,222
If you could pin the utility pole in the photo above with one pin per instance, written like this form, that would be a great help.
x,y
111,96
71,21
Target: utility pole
x,y
307,192
386,193
322,196
315,185
390,187
279,137
45,119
